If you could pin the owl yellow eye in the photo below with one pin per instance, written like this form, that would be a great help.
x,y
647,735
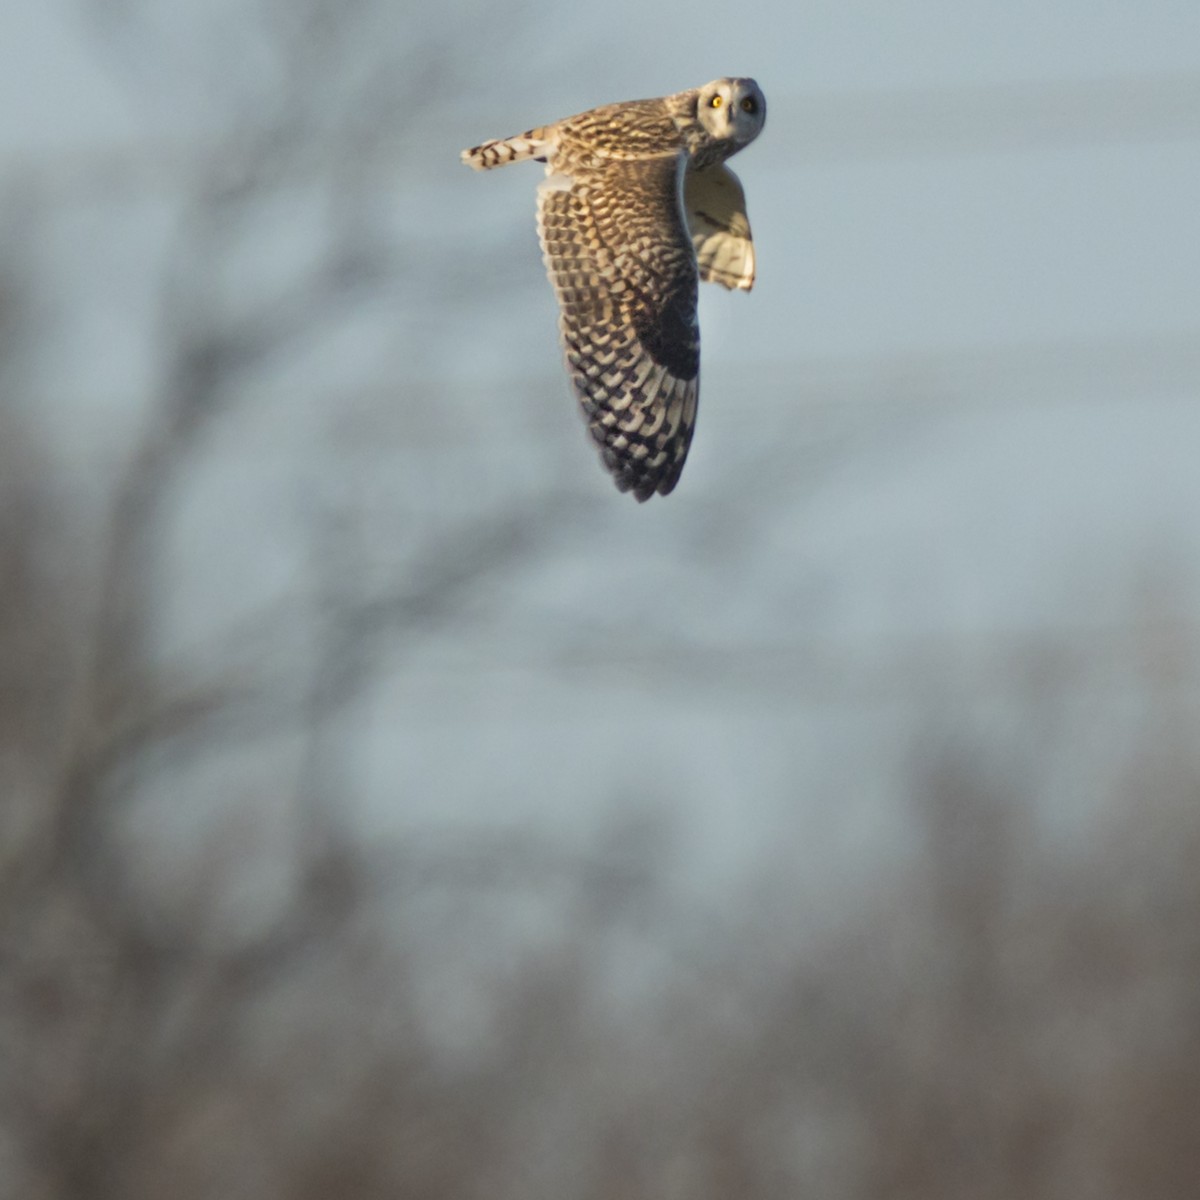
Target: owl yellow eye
x,y
715,102
750,105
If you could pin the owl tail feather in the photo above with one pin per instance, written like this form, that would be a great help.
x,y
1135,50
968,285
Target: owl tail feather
x,y
531,144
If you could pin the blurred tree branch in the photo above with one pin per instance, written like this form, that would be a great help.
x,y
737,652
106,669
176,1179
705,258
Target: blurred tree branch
x,y
284,1010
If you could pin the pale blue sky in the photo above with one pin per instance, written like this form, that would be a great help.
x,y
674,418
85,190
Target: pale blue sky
x,y
959,405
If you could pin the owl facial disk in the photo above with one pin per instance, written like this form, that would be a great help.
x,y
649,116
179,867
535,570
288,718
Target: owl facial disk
x,y
733,109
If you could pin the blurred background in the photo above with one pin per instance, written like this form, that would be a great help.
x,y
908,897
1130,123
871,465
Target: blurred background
x,y
390,808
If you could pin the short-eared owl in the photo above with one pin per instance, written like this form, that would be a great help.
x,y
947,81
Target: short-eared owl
x,y
636,207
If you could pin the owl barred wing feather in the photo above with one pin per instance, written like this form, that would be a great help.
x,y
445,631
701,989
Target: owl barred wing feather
x,y
624,271
716,215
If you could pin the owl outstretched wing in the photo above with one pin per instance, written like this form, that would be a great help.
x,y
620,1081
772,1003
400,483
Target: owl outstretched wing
x,y
716,214
621,260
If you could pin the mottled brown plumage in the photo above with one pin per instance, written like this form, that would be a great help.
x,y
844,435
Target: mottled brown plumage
x,y
635,209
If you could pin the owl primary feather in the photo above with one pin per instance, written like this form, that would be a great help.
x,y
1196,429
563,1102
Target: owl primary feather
x,y
635,209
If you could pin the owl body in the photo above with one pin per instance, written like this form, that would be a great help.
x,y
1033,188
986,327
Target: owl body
x,y
635,209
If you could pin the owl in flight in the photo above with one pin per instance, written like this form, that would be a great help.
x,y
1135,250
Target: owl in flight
x,y
636,207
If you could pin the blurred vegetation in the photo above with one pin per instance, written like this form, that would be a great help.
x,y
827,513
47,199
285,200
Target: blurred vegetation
x,y
258,1002
1006,1012
1001,1014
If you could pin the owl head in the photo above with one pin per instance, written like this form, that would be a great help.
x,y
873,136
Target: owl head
x,y
732,109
